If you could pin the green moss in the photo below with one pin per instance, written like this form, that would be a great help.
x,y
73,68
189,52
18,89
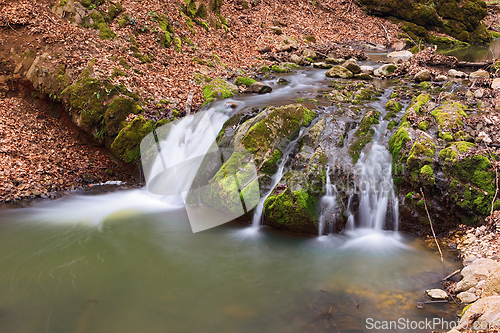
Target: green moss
x,y
127,144
409,197
117,72
124,63
218,88
292,211
394,107
122,23
391,125
142,57
423,125
421,153
265,69
363,134
270,165
177,44
449,118
398,140
278,69
116,113
242,80
428,175
189,24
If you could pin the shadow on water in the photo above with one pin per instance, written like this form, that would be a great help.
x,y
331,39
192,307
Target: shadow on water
x,y
475,53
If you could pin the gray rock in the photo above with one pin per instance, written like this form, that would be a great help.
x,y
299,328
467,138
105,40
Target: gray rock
x,y
487,308
467,297
456,74
334,61
495,84
363,76
352,65
405,55
479,93
296,59
423,75
283,47
479,74
367,70
322,65
259,88
339,71
440,78
437,293
309,54
385,70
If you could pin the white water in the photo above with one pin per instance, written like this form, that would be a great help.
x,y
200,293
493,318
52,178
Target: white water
x,y
328,206
257,216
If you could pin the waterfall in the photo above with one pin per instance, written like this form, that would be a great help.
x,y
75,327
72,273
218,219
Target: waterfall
x,y
257,216
328,206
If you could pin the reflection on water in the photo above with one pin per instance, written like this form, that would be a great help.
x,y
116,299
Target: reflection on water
x,y
149,273
475,53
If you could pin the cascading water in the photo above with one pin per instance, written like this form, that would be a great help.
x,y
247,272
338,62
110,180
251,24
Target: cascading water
x,y
257,216
328,206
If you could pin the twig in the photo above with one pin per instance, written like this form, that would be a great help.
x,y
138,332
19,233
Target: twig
x,y
13,29
430,302
496,179
386,33
432,228
451,275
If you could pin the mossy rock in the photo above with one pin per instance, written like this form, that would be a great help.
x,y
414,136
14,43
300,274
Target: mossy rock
x,y
363,134
293,211
450,118
127,144
116,114
394,107
218,88
243,80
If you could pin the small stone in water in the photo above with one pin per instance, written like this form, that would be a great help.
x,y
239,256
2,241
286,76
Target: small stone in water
x,y
437,293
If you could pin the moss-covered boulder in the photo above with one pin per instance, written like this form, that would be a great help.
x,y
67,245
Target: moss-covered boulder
x,y
218,88
127,144
363,134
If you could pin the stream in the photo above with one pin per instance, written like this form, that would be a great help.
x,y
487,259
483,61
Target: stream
x,y
128,261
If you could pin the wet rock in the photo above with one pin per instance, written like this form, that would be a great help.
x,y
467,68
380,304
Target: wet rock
x,y
479,74
456,74
232,105
440,78
340,72
404,55
308,53
367,70
296,59
467,297
352,65
423,75
385,70
283,81
485,310
437,293
258,88
495,84
363,76
322,65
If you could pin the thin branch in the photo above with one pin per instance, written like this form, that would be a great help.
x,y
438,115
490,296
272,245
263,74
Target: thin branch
x,y
432,228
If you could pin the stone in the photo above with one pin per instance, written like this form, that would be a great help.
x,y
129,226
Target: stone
x,y
405,55
277,30
491,286
479,74
486,310
283,81
352,65
398,46
283,47
259,88
437,293
340,72
296,59
495,84
335,61
308,53
467,297
265,49
322,65
440,78
232,105
423,75
385,70
482,136
479,93
363,76
456,74
367,70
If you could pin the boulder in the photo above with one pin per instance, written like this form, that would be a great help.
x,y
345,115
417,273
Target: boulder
x,y
456,74
308,53
259,88
423,75
367,70
296,59
440,78
404,55
283,47
322,65
495,84
479,74
385,70
363,76
352,65
340,72
437,293
486,310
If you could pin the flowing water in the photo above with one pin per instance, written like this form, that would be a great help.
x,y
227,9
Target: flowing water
x,y
128,261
